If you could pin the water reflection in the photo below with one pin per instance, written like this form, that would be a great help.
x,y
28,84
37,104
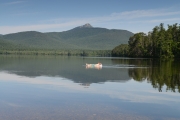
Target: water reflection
x,y
68,67
157,73
50,87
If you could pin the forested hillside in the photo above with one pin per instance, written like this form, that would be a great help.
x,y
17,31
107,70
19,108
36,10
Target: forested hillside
x,y
93,38
79,38
35,40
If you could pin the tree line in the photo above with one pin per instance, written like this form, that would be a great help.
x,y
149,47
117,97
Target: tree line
x,y
25,51
159,43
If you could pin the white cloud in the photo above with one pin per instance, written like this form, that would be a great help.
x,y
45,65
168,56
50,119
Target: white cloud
x,y
156,20
144,13
38,27
164,20
15,2
60,24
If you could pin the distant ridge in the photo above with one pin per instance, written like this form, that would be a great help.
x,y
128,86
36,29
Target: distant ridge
x,y
84,37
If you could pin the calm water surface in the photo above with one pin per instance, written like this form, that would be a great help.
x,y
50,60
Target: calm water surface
x,y
62,88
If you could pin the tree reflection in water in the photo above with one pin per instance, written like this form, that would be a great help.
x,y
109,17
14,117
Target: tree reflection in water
x,y
159,74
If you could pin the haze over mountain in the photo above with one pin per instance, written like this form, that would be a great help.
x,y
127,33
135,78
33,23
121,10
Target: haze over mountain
x,y
82,37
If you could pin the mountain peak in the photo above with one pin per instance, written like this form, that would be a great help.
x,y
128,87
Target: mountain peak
x,y
87,25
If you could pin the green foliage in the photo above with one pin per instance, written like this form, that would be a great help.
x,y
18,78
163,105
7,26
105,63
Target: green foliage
x,y
140,45
160,43
121,50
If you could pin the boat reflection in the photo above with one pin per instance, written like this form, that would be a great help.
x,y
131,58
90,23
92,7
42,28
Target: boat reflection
x,y
86,85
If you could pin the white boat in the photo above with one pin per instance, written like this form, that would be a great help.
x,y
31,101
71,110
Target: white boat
x,y
96,66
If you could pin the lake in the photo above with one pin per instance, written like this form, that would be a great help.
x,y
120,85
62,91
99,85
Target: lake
x,y
62,88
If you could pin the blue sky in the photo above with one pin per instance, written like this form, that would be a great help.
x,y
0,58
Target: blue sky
x,y
61,15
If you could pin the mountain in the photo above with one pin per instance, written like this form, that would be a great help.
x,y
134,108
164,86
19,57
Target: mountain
x,y
81,37
33,39
87,25
6,45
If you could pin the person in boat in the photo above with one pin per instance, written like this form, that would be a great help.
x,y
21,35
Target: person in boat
x,y
97,66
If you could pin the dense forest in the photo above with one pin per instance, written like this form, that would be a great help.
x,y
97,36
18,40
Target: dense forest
x,y
8,48
159,43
